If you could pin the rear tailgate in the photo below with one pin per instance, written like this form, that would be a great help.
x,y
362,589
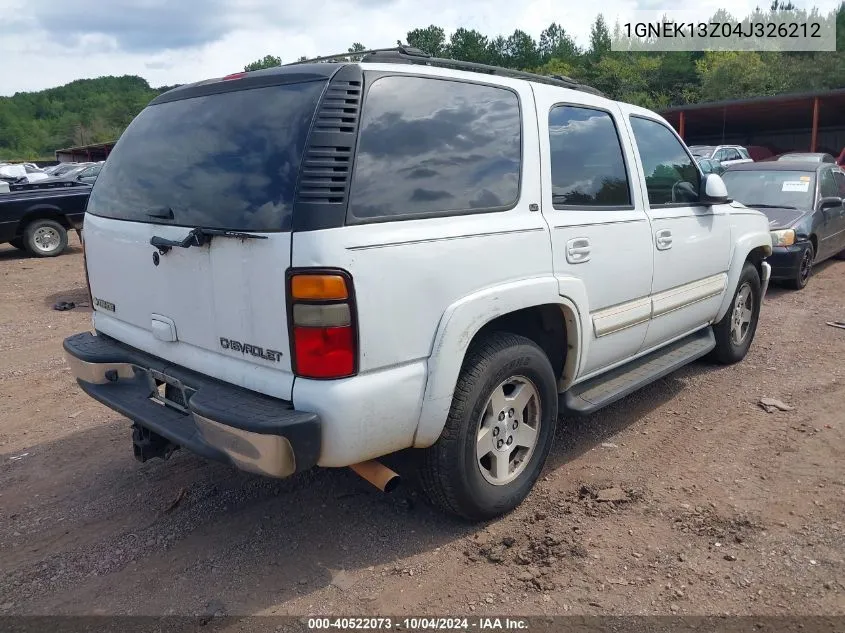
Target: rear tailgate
x,y
223,158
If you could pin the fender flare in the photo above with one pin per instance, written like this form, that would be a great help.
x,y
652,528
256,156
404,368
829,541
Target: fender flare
x,y
742,248
463,319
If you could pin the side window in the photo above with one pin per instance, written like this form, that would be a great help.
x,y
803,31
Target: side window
x,y
731,154
839,178
720,155
588,168
827,185
743,153
670,174
432,147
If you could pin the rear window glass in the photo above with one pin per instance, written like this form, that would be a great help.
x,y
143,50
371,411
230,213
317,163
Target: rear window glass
x,y
225,161
436,147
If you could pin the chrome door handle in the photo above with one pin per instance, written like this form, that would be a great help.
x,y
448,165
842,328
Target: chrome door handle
x,y
578,250
663,239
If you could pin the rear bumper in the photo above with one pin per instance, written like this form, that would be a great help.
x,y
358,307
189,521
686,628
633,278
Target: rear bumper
x,y
785,260
218,421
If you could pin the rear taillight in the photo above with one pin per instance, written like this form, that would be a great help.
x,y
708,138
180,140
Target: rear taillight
x,y
324,337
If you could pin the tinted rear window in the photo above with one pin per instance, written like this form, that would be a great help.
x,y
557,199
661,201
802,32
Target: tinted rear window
x,y
226,161
436,147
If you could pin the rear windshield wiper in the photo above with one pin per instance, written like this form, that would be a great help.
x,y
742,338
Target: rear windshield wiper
x,y
769,206
199,237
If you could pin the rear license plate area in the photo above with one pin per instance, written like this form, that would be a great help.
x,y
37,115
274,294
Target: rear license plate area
x,y
168,391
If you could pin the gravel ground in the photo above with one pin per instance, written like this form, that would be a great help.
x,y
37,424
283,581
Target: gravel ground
x,y
686,498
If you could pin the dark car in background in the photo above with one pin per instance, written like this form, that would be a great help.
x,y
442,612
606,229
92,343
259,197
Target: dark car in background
x,y
806,157
804,204
37,220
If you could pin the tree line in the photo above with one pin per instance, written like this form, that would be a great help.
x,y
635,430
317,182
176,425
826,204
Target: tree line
x,y
33,125
651,79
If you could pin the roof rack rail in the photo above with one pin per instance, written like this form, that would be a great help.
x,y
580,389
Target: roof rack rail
x,y
411,55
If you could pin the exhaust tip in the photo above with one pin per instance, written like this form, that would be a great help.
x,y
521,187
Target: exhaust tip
x,y
378,475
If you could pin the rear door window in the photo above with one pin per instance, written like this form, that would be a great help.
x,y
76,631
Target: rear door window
x,y
225,161
433,147
588,168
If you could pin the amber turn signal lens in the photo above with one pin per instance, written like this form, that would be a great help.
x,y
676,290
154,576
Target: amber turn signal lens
x,y
327,287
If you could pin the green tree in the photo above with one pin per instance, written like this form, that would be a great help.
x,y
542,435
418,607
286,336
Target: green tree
x,y
599,37
268,61
735,74
431,39
556,43
521,51
357,47
469,46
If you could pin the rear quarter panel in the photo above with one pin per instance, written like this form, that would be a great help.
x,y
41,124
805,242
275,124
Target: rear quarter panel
x,y
406,274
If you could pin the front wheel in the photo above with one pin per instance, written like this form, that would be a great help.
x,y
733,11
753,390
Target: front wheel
x,y
805,269
499,430
735,331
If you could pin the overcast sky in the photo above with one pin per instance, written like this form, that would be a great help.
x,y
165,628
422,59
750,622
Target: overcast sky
x,y
45,43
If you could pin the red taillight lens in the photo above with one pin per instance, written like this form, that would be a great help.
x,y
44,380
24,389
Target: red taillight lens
x,y
324,352
323,328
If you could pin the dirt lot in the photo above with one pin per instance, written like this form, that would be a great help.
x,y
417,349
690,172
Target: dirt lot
x,y
725,509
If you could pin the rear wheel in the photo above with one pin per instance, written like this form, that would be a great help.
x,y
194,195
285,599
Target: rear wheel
x,y
805,269
735,331
45,238
499,430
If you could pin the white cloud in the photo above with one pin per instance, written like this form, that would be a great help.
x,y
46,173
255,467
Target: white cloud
x,y
44,43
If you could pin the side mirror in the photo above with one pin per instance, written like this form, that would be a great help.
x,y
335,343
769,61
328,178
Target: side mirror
x,y
830,202
713,189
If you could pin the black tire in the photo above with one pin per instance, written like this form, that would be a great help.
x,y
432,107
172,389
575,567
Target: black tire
x,y
18,243
450,472
805,269
727,350
45,238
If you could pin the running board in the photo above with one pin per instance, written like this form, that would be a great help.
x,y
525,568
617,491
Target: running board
x,y
602,390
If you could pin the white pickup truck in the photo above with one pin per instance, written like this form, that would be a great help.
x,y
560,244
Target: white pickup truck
x,y
325,263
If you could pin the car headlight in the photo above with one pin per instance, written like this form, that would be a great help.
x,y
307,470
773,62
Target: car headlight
x,y
785,237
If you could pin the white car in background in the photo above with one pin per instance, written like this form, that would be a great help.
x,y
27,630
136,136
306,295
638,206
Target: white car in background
x,y
725,154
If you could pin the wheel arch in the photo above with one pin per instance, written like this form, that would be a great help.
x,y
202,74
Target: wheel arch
x,y
42,212
533,308
751,247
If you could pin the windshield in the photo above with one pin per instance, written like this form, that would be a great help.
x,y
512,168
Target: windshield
x,y
771,188
226,161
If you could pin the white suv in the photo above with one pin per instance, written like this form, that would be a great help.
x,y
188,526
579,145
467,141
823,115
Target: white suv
x,y
324,263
